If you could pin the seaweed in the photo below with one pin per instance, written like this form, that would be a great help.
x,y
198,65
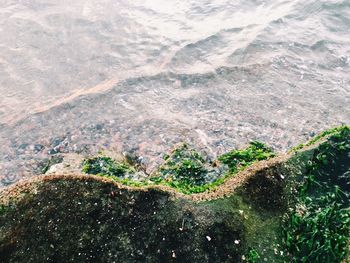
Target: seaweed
x,y
187,170
320,136
318,228
240,159
252,256
2,209
184,169
103,165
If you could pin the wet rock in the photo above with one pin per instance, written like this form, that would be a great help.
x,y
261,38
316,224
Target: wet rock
x,y
53,151
22,148
38,148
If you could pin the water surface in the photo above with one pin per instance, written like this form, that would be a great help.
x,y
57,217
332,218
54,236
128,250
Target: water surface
x,y
141,76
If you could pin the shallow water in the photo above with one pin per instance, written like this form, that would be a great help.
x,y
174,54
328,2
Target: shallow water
x,y
141,76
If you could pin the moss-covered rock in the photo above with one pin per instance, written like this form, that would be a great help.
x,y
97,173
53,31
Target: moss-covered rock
x,y
106,166
184,169
291,208
317,228
85,219
187,170
239,159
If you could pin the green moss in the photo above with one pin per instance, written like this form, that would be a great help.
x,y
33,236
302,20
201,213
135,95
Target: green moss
x,y
240,159
252,256
109,168
187,171
317,138
102,165
2,209
186,188
318,228
184,169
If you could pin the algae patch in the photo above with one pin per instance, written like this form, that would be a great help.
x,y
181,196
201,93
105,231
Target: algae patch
x,y
187,170
240,159
184,169
106,166
319,137
318,228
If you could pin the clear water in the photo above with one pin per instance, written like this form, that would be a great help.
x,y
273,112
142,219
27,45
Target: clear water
x,y
140,76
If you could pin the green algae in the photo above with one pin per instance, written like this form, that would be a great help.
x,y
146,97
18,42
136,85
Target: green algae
x,y
252,256
2,209
185,166
106,166
184,169
318,227
187,171
318,230
320,136
240,159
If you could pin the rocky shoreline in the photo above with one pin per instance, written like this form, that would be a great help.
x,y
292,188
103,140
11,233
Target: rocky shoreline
x,y
261,213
